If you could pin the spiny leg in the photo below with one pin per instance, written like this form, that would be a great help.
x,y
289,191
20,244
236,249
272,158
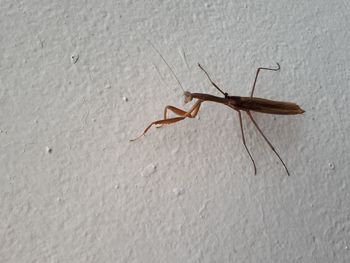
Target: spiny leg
x,y
159,122
175,110
190,114
243,139
194,108
268,142
212,82
257,74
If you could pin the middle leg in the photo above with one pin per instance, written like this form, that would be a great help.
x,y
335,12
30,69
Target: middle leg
x,y
243,139
212,82
257,74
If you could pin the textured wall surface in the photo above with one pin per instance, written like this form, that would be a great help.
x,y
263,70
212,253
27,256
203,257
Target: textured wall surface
x,y
78,79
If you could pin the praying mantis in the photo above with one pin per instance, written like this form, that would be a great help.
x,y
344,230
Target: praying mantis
x,y
237,103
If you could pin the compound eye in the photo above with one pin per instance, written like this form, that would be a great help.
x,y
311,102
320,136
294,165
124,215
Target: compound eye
x,y
188,96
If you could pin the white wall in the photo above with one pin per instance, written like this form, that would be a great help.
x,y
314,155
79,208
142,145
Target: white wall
x,y
74,189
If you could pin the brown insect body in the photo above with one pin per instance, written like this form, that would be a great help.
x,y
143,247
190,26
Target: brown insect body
x,y
252,104
268,106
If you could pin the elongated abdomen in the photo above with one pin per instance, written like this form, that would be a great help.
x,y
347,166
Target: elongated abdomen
x,y
268,106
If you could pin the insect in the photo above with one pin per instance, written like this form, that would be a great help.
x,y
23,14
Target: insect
x,y
237,103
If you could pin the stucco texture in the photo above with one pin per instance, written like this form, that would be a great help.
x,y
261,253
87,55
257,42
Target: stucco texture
x,y
78,79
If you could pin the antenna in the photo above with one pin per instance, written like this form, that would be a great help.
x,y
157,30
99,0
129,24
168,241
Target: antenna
x,y
172,72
